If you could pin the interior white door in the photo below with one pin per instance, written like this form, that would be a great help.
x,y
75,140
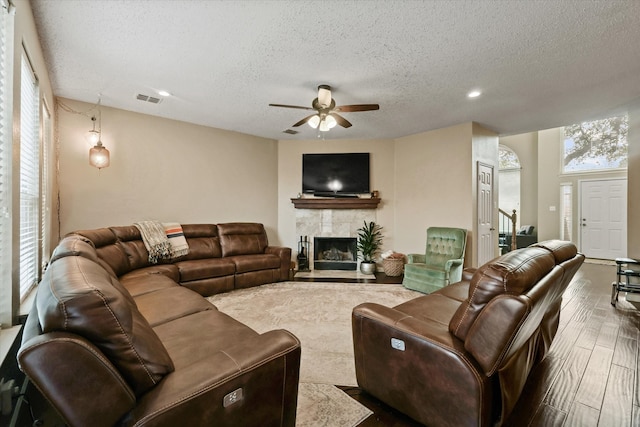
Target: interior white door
x,y
603,218
486,246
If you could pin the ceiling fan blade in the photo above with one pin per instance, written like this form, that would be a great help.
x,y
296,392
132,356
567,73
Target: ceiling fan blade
x,y
341,120
291,106
358,107
303,121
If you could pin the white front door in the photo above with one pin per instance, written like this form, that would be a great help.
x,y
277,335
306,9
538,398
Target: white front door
x,y
603,218
486,246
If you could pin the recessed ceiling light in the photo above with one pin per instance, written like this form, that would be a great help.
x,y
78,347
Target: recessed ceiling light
x,y
474,94
163,93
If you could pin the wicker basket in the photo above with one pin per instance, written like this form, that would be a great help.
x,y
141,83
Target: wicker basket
x,y
393,267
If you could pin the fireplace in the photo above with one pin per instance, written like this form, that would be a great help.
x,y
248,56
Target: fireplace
x,y
335,253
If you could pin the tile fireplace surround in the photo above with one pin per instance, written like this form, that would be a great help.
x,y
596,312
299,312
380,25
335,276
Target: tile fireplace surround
x,y
330,223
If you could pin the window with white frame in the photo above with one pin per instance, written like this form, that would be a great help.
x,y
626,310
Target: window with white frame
x,y
45,212
29,178
566,211
596,145
5,167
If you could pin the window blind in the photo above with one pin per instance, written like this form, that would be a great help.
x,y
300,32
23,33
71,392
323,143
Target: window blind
x,y
45,213
29,178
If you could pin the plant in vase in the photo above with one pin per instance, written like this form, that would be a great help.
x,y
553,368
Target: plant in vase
x,y
368,244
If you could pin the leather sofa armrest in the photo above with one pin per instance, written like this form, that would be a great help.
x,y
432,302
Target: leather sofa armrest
x,y
78,380
417,367
251,382
284,254
468,273
416,258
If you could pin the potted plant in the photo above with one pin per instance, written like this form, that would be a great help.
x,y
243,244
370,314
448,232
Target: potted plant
x,y
369,241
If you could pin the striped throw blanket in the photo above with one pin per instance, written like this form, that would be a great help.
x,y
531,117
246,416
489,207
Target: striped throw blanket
x,y
179,246
155,240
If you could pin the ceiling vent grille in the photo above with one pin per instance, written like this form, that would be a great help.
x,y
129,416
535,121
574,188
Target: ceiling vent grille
x,y
148,98
290,131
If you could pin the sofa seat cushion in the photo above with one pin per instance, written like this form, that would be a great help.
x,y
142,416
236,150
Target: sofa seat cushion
x,y
77,295
168,270
205,268
458,291
246,263
432,308
189,339
429,273
139,284
165,305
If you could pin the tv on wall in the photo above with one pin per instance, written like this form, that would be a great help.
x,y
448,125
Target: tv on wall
x,y
335,174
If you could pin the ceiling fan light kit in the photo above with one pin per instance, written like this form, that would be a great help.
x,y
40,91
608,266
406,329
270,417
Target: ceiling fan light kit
x,y
326,115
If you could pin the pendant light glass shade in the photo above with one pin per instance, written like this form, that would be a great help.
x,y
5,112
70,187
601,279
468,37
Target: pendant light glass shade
x,y
331,121
99,156
93,136
314,121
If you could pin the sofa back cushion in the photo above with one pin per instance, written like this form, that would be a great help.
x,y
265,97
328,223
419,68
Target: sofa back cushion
x,y
203,241
242,238
77,295
108,249
513,273
443,244
130,239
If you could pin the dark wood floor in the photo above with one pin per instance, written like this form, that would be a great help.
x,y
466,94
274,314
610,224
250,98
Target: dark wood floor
x,y
589,377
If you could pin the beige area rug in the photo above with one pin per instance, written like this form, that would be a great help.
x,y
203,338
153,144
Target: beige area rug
x,y
319,314
323,405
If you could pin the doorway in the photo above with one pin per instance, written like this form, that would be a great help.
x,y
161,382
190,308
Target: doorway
x,y
486,246
603,218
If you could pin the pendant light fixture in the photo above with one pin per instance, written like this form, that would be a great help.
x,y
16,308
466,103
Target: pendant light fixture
x,y
99,156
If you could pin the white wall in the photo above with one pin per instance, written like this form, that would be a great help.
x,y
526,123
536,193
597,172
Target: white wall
x,y
290,181
633,187
165,170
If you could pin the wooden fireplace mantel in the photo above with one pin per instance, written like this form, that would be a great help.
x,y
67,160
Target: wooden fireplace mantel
x,y
336,203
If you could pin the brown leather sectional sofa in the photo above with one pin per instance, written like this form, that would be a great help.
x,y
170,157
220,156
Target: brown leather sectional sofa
x,y
115,340
461,355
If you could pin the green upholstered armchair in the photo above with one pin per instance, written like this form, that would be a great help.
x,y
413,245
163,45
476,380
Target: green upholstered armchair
x,y
442,262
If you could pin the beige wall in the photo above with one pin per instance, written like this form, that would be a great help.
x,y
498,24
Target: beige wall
x,y
382,179
165,170
526,148
433,184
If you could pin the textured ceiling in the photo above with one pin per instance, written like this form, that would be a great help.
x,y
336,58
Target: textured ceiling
x,y
539,64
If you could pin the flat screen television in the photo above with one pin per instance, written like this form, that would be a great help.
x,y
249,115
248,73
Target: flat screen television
x,y
335,174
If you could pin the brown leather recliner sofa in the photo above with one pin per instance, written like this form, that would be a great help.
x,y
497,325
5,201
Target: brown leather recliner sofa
x,y
462,355
114,340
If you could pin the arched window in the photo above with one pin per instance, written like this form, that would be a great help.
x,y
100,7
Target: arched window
x,y
507,159
509,182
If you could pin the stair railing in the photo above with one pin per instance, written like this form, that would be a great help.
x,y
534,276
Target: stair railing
x,y
509,221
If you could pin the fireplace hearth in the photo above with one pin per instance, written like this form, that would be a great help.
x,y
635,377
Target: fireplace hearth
x,y
335,253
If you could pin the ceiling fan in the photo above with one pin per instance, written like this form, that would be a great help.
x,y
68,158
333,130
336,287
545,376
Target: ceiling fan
x,y
326,113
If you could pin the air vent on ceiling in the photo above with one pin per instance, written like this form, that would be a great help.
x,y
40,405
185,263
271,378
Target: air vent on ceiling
x,y
290,131
148,98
